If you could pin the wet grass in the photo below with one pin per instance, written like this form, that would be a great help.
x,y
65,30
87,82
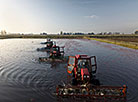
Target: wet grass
x,y
125,38
130,41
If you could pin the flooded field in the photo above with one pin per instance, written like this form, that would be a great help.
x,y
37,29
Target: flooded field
x,y
24,79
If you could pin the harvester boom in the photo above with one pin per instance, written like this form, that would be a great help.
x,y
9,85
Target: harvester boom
x,y
94,92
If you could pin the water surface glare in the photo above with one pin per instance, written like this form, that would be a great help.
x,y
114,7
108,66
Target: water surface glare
x,y
24,79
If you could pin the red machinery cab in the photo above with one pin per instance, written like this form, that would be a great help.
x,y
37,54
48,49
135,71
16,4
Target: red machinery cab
x,y
82,67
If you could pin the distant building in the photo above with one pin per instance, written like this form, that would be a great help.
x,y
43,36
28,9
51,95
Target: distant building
x,y
136,32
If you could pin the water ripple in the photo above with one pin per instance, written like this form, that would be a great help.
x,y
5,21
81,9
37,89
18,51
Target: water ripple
x,y
21,75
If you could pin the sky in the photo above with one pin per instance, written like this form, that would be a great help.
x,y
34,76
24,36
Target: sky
x,y
53,16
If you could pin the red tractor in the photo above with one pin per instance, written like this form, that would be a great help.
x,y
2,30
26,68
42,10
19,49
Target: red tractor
x,y
56,51
82,67
56,54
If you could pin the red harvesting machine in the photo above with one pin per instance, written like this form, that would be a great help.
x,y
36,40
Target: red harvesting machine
x,y
83,68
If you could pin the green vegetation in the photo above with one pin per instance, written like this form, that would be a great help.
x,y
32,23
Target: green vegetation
x,y
128,40
43,36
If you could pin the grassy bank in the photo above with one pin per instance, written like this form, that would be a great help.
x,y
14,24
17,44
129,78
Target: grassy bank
x,y
43,36
125,38
130,41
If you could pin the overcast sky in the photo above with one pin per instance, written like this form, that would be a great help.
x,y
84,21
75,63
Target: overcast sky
x,y
52,16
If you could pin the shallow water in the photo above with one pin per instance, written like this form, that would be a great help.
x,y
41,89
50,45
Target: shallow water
x,y
24,79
